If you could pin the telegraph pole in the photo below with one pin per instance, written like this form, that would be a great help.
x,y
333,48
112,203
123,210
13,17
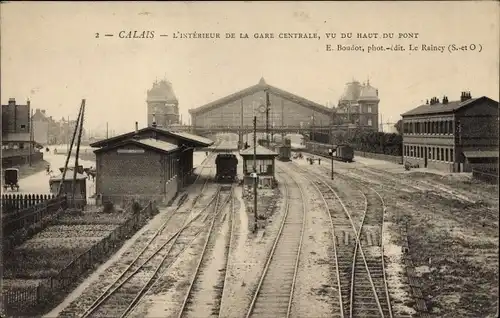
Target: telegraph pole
x,y
332,141
255,172
267,117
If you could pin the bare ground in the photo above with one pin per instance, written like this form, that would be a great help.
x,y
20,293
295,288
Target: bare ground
x,y
453,241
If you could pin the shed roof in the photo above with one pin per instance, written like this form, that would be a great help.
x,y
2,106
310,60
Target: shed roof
x,y
260,151
68,177
449,107
481,154
149,143
198,141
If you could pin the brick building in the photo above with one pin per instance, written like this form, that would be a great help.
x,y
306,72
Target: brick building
x,y
453,136
150,163
16,129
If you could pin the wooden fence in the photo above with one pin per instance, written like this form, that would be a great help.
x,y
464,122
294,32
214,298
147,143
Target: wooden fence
x,y
490,176
16,202
23,220
20,301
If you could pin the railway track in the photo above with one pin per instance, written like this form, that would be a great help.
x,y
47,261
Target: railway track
x,y
161,250
197,299
274,294
360,274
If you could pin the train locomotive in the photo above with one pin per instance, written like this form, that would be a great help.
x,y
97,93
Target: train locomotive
x,y
226,167
341,152
285,150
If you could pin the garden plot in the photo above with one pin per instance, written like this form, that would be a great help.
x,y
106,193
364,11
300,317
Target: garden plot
x,y
51,250
94,218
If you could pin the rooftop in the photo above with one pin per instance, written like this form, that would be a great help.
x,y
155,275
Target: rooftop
x,y
262,151
148,143
187,137
262,85
449,107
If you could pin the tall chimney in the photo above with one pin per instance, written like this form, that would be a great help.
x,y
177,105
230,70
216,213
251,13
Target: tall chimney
x,y
465,96
136,127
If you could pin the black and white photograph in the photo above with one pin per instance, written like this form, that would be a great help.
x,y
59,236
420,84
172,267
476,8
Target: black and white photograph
x,y
237,159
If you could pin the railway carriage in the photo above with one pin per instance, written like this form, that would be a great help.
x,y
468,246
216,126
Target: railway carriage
x,y
342,152
226,167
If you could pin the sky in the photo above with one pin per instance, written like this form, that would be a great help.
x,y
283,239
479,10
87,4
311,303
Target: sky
x,y
50,53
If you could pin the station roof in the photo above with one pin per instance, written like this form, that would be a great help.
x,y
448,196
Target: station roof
x,y
449,107
149,143
197,141
481,154
260,151
262,85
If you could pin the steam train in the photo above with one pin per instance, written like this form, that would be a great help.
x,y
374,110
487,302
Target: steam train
x,y
226,167
340,152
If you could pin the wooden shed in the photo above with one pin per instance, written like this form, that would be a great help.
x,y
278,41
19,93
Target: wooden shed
x,y
80,187
265,165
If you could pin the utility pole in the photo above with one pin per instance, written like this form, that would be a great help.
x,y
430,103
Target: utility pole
x,y
267,117
67,135
331,139
255,172
79,125
69,154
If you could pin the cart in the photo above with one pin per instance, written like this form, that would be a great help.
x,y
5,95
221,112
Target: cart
x,y
11,179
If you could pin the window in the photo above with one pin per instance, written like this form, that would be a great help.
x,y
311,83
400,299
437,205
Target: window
x,y
23,126
452,159
442,154
447,155
434,153
369,109
369,122
21,145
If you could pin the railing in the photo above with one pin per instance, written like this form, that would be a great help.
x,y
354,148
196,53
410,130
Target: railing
x,y
25,300
490,176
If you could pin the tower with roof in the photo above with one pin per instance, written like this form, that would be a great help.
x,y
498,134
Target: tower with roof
x,y
163,106
359,104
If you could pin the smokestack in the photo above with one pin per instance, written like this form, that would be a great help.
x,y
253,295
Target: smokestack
x,y
465,96
136,127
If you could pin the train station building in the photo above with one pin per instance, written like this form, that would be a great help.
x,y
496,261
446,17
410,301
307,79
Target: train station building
x,y
452,136
150,163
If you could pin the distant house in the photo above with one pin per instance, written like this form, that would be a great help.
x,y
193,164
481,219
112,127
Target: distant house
x,y
15,128
40,127
453,136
